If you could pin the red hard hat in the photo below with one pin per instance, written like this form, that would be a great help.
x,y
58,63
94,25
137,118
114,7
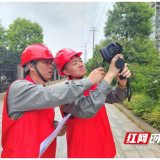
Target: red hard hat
x,y
63,56
35,51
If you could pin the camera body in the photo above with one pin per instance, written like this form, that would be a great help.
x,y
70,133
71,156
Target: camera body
x,y
110,51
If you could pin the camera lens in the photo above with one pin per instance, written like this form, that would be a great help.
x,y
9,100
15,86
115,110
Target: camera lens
x,y
110,49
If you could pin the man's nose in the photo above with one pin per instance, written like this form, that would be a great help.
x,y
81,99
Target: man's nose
x,y
80,64
51,66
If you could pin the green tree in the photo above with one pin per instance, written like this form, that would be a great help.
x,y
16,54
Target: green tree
x,y
3,42
23,33
3,37
142,57
143,61
130,24
129,20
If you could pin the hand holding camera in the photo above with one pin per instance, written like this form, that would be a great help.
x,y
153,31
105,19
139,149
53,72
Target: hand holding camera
x,y
97,75
112,50
111,54
113,70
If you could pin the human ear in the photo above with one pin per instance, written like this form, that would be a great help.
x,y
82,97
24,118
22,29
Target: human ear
x,y
30,66
65,71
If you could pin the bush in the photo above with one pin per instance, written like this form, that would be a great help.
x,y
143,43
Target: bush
x,y
140,104
146,108
153,118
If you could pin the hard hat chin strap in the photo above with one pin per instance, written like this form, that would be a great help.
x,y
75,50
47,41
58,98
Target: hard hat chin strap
x,y
75,77
34,65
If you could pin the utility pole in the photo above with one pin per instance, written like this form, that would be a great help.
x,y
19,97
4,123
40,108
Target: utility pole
x,y
94,29
85,54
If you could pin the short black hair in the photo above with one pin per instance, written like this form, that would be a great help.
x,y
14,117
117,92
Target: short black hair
x,y
63,68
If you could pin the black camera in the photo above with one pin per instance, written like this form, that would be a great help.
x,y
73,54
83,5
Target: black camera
x,y
109,52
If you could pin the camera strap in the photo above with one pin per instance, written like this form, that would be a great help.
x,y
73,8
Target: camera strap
x,y
129,92
103,63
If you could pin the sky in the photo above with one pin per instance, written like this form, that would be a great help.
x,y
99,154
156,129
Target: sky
x,y
65,24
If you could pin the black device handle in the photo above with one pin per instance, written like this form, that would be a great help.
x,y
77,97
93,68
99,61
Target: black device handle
x,y
121,77
120,64
129,92
103,63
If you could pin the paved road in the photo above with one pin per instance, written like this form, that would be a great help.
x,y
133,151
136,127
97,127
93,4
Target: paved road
x,y
120,124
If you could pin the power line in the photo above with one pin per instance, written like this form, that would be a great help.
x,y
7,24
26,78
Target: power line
x,y
98,22
101,21
83,19
104,17
96,14
93,21
93,16
93,13
102,13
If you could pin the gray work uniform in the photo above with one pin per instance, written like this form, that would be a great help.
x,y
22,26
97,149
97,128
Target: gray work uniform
x,y
24,96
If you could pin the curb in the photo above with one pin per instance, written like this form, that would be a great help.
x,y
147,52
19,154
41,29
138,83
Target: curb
x,y
138,121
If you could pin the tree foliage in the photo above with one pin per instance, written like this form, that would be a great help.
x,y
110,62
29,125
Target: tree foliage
x,y
130,24
23,33
144,62
3,37
129,19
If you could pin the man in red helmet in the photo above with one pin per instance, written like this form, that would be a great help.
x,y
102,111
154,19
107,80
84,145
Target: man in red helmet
x,y
28,111
91,138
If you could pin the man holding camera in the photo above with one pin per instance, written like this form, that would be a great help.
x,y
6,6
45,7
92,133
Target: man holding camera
x,y
91,138
28,111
